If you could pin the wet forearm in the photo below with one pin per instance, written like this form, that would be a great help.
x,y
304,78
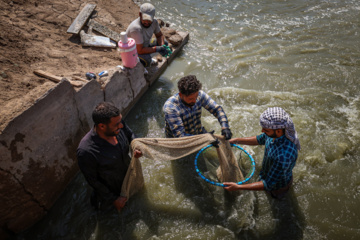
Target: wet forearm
x,y
256,186
245,141
160,39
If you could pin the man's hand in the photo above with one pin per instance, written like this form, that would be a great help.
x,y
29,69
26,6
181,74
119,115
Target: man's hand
x,y
162,50
137,153
231,186
226,133
119,203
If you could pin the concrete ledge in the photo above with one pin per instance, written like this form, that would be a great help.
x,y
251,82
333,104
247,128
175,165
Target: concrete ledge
x,y
81,19
86,99
156,71
38,154
123,87
185,37
38,147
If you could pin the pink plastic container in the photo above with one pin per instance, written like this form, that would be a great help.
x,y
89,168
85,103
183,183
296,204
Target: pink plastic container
x,y
127,48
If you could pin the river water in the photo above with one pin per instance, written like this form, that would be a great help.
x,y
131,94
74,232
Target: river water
x,y
301,55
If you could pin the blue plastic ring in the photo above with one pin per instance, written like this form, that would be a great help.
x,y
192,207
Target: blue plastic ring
x,y
220,184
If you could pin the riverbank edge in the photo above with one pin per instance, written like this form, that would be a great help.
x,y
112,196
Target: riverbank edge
x,y
38,147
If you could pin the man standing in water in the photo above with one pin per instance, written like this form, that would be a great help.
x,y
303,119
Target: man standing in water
x,y
142,29
281,151
183,110
103,156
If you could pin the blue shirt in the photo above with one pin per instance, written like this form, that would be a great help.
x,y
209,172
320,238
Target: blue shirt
x,y
279,159
181,120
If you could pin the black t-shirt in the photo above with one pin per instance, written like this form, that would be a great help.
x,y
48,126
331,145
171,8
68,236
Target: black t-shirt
x,y
103,164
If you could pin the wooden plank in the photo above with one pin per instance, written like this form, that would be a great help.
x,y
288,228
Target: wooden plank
x,y
80,79
48,75
55,78
96,41
81,19
94,25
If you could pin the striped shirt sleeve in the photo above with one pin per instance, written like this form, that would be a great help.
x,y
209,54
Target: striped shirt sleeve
x,y
215,109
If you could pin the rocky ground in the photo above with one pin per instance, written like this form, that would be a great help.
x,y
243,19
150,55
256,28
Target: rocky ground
x,y
33,36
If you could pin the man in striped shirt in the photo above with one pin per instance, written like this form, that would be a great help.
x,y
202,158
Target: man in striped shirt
x,y
183,110
281,151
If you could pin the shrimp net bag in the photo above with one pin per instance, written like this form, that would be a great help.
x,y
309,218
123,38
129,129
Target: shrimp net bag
x,y
169,149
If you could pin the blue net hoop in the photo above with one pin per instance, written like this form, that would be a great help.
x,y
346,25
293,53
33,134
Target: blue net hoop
x,y
247,178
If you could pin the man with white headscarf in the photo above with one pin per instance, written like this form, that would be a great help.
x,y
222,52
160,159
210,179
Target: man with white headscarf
x,y
281,151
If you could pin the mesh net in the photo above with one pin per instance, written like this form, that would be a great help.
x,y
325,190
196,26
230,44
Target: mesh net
x,y
167,149
228,171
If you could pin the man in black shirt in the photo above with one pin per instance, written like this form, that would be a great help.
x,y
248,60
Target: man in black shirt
x,y
103,156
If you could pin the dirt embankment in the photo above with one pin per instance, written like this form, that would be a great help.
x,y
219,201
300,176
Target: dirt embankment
x,y
33,36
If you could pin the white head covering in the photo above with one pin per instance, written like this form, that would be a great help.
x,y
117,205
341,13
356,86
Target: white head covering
x,y
277,118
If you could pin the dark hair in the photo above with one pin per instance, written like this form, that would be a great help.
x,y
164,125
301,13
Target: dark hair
x,y
103,112
188,85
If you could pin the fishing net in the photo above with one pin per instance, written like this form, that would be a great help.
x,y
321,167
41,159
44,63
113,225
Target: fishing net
x,y
212,168
167,149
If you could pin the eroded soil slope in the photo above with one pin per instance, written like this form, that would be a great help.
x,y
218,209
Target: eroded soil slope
x,y
33,37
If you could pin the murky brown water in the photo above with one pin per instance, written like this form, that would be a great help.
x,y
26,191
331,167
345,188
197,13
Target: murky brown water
x,y
301,55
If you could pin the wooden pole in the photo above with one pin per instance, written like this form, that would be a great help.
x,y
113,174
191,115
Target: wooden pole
x,y
54,78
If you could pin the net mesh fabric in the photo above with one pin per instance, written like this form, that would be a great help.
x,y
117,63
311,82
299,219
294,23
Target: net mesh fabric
x,y
167,149
229,170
